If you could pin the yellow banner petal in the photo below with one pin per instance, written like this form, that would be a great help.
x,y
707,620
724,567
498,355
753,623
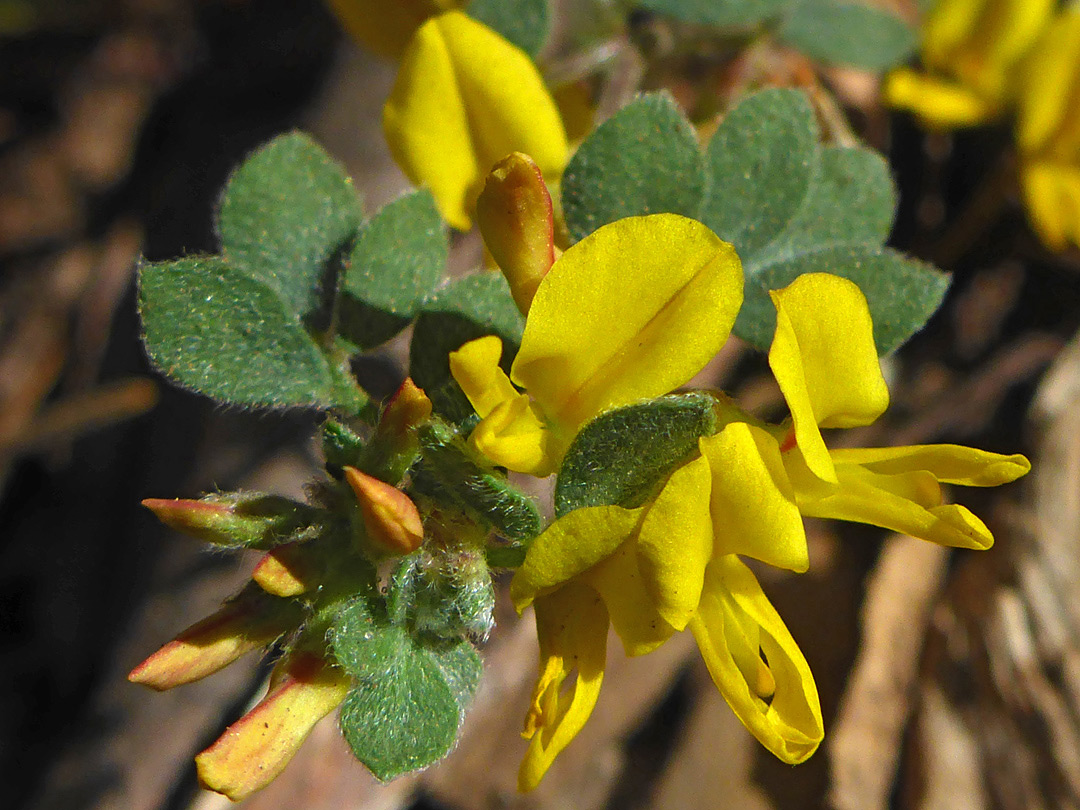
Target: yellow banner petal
x,y
464,99
676,543
778,705
824,359
570,546
1048,92
572,627
752,502
632,311
386,28
948,463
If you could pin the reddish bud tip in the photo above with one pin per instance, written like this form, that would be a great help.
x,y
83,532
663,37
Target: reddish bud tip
x,y
390,517
406,409
286,571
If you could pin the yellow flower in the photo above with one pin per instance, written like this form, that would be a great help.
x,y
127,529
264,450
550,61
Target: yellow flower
x,y
632,311
1049,133
464,99
386,27
671,565
971,50
824,359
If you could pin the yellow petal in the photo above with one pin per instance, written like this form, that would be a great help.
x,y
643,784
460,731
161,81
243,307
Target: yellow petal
x,y
475,366
939,103
514,436
676,542
632,311
572,627
947,27
258,746
779,705
1052,197
824,359
620,584
464,99
753,504
570,546
1048,87
899,503
948,463
386,28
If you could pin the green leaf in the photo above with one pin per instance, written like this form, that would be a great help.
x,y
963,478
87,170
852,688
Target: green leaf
x,y
525,23
396,262
410,695
465,309
718,12
218,331
902,293
622,457
286,213
469,484
848,32
643,160
761,162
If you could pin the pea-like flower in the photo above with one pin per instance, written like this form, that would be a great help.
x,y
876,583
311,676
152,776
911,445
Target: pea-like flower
x,y
1049,133
971,50
386,28
824,359
465,98
632,311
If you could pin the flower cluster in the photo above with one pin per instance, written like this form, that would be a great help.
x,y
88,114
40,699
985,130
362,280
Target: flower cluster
x,y
985,58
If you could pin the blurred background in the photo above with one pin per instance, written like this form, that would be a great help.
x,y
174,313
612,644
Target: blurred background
x,y
948,679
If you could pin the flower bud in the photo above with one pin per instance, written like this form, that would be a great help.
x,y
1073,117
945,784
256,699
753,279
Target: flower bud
x,y
516,218
287,570
407,409
257,747
236,519
249,621
391,519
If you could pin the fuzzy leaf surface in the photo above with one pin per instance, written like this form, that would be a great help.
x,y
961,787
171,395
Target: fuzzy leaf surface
x,y
643,160
285,214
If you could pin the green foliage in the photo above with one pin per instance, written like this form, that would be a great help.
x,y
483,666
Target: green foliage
x,y
845,32
451,473
213,328
410,695
396,262
718,12
848,32
450,594
791,206
643,160
622,457
526,23
284,214
465,309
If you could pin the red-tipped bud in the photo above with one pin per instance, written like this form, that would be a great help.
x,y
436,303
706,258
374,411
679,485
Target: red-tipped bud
x,y
246,623
391,519
258,746
408,408
287,570
516,218
235,519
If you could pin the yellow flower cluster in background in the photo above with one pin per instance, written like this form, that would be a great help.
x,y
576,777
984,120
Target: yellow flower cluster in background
x,y
983,59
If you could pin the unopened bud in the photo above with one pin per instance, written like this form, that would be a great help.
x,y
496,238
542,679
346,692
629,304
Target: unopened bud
x,y
391,519
250,621
406,410
236,519
517,220
258,746
287,570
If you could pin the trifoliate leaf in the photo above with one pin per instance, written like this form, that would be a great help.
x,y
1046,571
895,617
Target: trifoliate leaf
x,y
285,214
525,23
222,333
465,309
396,262
643,160
848,32
623,456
